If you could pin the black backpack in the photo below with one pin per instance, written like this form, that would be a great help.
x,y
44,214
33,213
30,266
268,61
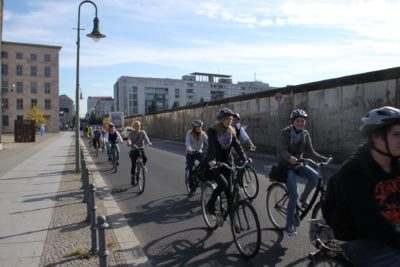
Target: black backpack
x,y
328,202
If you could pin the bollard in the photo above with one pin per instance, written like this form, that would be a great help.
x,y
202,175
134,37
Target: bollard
x,y
87,197
83,167
85,182
102,225
93,209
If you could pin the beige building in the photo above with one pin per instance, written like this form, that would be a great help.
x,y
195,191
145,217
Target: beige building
x,y
29,77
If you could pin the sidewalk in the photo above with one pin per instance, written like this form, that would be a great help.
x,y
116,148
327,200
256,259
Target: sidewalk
x,y
41,209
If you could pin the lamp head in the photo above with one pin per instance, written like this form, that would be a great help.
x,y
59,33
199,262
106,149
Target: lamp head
x,y
96,34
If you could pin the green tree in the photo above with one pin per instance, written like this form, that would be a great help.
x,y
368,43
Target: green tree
x,y
36,114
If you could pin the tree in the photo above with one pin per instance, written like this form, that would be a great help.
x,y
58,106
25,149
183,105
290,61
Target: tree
x,y
36,114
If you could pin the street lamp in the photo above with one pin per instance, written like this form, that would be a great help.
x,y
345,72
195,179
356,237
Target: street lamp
x,y
95,35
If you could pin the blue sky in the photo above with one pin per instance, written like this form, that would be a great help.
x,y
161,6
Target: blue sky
x,y
279,42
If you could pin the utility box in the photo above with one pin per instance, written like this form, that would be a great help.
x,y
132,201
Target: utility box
x,y
24,131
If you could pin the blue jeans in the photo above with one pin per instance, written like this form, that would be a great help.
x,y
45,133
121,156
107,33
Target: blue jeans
x,y
116,148
371,253
190,159
291,184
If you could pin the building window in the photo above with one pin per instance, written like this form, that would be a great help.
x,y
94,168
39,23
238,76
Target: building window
x,y
5,121
33,87
18,55
4,54
47,58
47,71
47,88
20,103
33,71
20,118
176,93
4,86
47,104
19,70
33,57
4,103
33,102
4,69
20,87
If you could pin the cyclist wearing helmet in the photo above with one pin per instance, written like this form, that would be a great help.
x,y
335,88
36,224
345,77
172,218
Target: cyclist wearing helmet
x,y
137,138
196,144
96,137
367,193
113,137
241,133
221,138
295,140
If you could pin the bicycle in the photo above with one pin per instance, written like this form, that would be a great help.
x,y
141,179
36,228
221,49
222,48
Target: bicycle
x,y
140,172
198,174
114,157
245,226
321,235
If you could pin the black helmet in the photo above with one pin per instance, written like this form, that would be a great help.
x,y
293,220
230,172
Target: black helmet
x,y
298,113
225,112
197,123
111,125
379,118
236,116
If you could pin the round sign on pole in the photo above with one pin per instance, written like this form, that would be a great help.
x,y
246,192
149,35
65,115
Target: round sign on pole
x,y
278,96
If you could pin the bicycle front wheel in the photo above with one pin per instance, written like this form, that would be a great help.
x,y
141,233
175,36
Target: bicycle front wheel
x,y
141,177
321,235
250,182
114,160
277,201
206,191
246,229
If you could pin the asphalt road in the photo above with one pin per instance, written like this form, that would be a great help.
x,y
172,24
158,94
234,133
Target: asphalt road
x,y
169,224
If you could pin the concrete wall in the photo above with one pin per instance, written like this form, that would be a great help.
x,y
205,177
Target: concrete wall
x,y
335,107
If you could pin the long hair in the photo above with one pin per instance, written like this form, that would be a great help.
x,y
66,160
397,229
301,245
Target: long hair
x,y
196,135
220,128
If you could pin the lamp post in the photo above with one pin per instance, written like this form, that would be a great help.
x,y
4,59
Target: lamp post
x,y
95,35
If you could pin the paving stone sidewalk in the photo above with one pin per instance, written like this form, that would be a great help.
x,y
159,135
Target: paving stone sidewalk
x,y
69,238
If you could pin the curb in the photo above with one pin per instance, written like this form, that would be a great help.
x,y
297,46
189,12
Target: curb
x,y
129,244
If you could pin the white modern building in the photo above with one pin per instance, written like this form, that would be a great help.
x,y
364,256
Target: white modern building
x,y
104,106
92,101
140,95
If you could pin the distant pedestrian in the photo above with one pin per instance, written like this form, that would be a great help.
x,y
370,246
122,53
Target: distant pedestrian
x,y
41,129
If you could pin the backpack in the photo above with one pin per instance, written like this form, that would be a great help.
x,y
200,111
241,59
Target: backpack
x,y
328,201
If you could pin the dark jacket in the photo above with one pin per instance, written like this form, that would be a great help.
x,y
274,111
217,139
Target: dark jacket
x,y
217,153
287,148
365,194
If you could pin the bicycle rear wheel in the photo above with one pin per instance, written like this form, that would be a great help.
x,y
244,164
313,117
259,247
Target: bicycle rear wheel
x,y
277,200
114,160
246,229
206,191
321,235
250,182
187,184
141,177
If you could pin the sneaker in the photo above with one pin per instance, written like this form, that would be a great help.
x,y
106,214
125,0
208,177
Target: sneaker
x,y
304,203
291,231
210,208
133,181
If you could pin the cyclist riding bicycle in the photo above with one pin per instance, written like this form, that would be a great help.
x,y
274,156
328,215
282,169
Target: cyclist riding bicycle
x,y
137,138
221,138
113,137
294,141
241,133
96,137
367,193
196,144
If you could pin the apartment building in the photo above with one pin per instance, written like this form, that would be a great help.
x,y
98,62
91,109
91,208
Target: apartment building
x,y
104,106
140,95
92,102
29,77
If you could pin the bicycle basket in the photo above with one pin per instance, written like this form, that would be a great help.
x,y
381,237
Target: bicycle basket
x,y
320,233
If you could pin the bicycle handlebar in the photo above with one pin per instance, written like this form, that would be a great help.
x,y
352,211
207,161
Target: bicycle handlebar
x,y
222,164
312,162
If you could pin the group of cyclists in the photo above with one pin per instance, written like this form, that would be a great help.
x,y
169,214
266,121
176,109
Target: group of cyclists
x,y
367,216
